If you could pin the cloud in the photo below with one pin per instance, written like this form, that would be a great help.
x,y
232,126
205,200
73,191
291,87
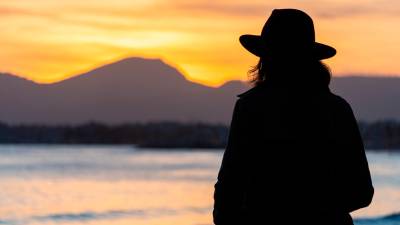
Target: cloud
x,y
334,9
328,9
9,11
246,10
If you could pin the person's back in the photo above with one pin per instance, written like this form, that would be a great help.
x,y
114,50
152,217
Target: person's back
x,y
295,162
294,155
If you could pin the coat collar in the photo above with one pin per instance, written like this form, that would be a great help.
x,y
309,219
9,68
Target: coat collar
x,y
298,90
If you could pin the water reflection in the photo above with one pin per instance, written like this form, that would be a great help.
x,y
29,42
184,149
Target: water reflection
x,y
119,185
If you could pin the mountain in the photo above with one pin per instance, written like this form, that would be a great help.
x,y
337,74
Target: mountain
x,y
130,90
140,90
372,98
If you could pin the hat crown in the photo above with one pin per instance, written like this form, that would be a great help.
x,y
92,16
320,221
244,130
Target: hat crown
x,y
289,28
288,33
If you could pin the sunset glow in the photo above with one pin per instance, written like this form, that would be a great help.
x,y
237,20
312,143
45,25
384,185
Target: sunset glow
x,y
48,41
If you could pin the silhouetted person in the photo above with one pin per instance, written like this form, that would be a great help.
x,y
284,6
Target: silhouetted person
x,y
294,154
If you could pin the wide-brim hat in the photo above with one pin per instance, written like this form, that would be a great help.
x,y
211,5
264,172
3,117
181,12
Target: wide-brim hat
x,y
287,32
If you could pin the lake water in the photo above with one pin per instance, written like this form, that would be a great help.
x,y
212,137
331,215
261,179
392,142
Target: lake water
x,y
47,184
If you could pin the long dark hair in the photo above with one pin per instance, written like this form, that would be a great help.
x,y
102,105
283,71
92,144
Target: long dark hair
x,y
304,72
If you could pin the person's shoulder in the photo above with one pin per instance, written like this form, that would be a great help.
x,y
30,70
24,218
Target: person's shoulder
x,y
252,92
339,99
341,103
246,93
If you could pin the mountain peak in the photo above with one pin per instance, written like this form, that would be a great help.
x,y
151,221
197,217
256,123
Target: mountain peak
x,y
133,69
135,60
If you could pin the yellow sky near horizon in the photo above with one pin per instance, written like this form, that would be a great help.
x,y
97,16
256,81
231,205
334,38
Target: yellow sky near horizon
x,y
48,41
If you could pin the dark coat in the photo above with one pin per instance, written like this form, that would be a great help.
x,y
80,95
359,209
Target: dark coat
x,y
293,157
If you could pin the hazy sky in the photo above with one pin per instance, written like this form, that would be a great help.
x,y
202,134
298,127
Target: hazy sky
x,y
47,40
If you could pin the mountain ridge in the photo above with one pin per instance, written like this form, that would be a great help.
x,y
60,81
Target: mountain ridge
x,y
143,90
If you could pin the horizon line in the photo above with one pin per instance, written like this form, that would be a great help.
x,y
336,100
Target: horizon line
x,y
179,69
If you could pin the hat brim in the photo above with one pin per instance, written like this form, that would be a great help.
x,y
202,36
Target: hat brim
x,y
255,45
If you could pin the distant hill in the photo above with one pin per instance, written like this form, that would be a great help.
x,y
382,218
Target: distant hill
x,y
142,90
372,98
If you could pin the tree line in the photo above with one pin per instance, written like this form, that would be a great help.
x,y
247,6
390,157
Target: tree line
x,y
377,135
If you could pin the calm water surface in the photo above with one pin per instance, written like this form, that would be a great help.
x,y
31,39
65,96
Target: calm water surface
x,y
47,184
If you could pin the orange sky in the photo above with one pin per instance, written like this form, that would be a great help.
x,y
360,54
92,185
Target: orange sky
x,y
47,40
